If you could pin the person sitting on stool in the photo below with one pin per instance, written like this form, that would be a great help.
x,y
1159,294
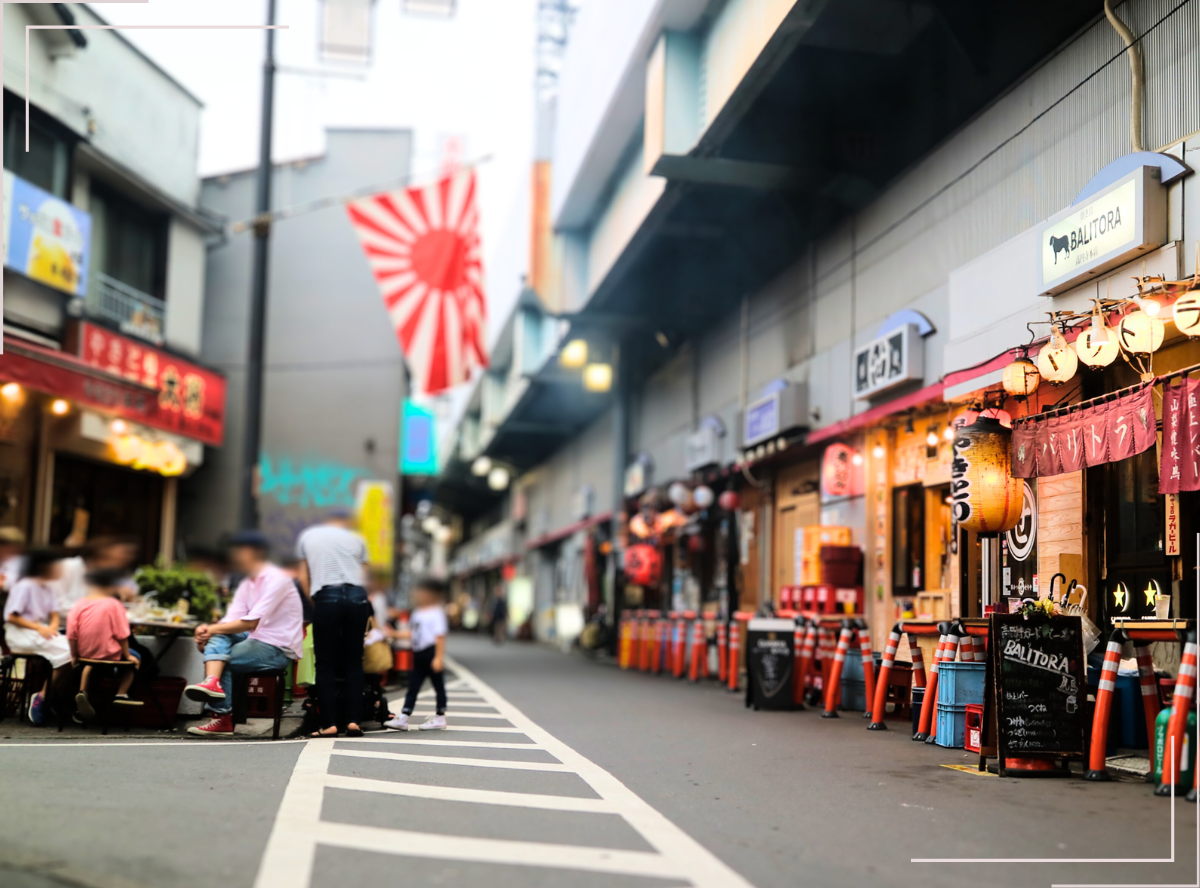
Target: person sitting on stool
x,y
262,630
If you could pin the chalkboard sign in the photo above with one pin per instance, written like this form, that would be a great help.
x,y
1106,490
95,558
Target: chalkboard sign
x,y
769,654
1038,685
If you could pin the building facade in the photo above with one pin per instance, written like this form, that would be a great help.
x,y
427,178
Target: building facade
x,y
107,402
334,378
801,289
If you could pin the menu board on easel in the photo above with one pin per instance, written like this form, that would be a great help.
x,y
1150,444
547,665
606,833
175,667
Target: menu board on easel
x,y
1037,687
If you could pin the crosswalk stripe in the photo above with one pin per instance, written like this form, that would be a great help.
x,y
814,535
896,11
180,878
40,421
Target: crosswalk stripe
x,y
469,744
477,796
454,760
576,857
495,715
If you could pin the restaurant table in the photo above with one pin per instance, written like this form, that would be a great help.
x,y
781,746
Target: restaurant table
x,y
163,628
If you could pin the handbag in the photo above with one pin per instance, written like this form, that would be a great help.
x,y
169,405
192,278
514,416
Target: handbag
x,y
377,657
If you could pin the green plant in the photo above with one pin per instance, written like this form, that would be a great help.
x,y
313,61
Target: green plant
x,y
170,584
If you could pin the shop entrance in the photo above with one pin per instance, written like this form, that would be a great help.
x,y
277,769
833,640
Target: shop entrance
x,y
117,501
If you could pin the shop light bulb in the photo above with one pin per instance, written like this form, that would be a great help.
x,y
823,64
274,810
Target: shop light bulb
x,y
481,466
857,459
574,354
1148,305
878,452
498,478
59,407
949,433
1099,329
10,391
931,439
119,427
597,377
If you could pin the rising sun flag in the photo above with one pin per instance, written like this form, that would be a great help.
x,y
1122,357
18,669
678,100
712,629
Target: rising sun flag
x,y
422,244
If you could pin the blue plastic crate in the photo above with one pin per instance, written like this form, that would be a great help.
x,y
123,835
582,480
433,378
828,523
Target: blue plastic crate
x,y
951,724
1130,731
852,668
960,683
854,695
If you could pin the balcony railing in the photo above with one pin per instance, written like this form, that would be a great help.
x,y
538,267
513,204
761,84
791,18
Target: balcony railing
x,y
133,311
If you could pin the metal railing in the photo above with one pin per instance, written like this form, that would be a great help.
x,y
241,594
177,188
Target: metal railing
x,y
133,311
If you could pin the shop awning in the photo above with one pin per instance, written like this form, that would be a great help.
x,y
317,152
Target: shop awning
x,y
66,376
563,532
963,383
875,414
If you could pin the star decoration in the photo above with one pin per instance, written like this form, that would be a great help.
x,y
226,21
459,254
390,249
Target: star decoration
x,y
1121,596
1152,593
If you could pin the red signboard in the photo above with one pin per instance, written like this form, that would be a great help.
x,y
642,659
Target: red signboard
x,y
190,398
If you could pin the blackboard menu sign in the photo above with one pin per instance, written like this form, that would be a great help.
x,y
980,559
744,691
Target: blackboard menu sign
x,y
1039,686
769,654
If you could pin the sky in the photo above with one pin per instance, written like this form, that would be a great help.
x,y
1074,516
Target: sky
x,y
469,78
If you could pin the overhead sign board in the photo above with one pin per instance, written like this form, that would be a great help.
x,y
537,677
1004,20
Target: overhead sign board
x,y
45,238
418,440
701,448
782,410
1124,220
890,360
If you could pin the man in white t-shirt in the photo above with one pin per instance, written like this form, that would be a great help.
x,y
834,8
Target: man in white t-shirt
x,y
429,628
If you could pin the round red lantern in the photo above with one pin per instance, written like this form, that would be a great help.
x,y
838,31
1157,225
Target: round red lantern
x,y
643,565
729,500
696,544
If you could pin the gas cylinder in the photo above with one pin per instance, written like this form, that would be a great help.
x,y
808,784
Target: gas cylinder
x,y
1187,764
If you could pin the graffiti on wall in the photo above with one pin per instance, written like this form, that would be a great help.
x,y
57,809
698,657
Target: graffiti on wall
x,y
295,494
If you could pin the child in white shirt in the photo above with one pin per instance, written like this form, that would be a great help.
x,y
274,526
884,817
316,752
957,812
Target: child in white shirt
x,y
429,628
31,622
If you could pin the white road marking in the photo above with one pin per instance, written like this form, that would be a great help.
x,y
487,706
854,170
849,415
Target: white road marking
x,y
477,796
173,744
495,715
454,760
298,828
419,740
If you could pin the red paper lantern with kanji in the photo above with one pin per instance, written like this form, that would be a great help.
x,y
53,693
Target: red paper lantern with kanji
x,y
643,565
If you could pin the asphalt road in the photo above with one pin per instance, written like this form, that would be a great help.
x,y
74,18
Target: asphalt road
x,y
564,772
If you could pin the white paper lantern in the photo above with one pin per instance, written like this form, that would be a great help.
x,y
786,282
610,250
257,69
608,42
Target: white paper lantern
x,y
1097,354
1057,361
1187,313
1140,334
703,497
679,494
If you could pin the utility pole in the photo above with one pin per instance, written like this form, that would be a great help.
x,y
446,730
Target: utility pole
x,y
252,438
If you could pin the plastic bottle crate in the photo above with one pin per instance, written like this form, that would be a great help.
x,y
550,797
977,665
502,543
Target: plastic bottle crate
x,y
854,695
951,725
960,684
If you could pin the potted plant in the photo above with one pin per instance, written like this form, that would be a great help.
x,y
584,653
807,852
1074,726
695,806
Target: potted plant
x,y
169,585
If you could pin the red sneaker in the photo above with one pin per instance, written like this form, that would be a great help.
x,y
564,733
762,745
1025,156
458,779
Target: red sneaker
x,y
220,726
209,689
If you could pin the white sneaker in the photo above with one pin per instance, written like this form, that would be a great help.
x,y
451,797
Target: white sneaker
x,y
399,723
433,723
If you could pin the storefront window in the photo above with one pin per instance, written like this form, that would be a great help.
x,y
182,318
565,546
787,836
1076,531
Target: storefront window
x,y
1135,517
908,540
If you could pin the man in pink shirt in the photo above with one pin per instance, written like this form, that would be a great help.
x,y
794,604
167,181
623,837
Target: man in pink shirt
x,y
263,629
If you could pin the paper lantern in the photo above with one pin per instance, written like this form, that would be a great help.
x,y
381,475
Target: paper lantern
x,y
643,565
986,498
1140,334
1097,354
1187,313
729,500
703,496
1057,361
1021,378
679,494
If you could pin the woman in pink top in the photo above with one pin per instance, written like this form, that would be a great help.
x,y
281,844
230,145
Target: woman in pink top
x,y
98,629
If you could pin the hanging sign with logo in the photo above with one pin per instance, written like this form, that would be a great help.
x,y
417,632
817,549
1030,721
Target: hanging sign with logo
x,y
191,398
1018,549
46,239
1122,221
893,359
1180,469
373,507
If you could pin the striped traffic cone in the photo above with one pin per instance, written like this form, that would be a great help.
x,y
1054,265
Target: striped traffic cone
x,y
808,648
699,657
868,664
1151,705
734,666
918,661
722,651
1185,689
956,639
929,704
678,645
1097,755
835,673
881,686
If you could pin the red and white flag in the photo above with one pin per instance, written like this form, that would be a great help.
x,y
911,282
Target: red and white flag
x,y
422,244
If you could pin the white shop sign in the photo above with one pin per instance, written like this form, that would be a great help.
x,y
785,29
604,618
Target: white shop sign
x,y
1125,219
891,360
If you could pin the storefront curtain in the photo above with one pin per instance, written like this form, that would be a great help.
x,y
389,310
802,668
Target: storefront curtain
x,y
1181,437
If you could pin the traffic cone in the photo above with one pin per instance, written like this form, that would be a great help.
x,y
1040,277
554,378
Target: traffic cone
x,y
947,648
643,642
1151,705
957,638
678,640
733,667
835,673
722,652
1097,755
403,659
808,649
699,658
918,661
868,664
881,685
1185,689
660,644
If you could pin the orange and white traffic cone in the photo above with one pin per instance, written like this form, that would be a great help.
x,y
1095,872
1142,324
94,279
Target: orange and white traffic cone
x,y
808,649
956,639
1185,690
1151,705
678,645
643,641
835,674
734,666
918,661
722,652
881,685
1097,769
699,653
660,645
868,664
947,650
